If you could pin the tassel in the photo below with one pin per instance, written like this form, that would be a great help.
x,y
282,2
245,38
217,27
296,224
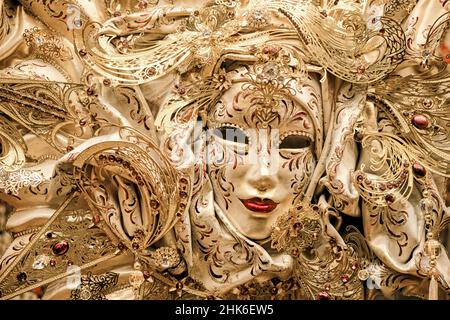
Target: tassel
x,y
433,290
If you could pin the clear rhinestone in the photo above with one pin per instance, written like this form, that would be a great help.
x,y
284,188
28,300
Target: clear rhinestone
x,y
41,262
77,23
40,40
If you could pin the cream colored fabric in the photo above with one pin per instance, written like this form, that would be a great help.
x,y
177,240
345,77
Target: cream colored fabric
x,y
226,258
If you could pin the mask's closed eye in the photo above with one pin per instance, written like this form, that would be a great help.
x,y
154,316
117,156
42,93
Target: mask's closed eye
x,y
295,141
231,134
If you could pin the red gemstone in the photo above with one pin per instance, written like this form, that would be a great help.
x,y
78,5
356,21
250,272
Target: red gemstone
x,y
323,295
298,226
97,219
389,198
361,69
60,248
345,278
354,265
419,170
135,246
52,263
151,72
420,121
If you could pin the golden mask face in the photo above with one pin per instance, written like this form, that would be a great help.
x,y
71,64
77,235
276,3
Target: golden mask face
x,y
262,157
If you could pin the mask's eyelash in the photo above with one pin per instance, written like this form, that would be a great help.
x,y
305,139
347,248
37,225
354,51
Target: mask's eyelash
x,y
295,132
226,126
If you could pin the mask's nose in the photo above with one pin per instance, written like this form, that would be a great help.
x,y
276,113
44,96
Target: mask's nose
x,y
263,184
263,172
262,175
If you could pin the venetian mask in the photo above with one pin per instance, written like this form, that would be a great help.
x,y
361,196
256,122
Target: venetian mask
x,y
261,135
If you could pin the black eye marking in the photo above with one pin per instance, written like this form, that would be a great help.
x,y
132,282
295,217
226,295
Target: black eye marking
x,y
295,141
232,134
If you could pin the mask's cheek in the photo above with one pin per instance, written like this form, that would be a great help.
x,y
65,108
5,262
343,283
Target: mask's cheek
x,y
220,153
296,170
226,180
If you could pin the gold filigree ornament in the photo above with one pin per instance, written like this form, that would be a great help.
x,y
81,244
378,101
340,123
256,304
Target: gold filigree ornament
x,y
133,163
47,254
353,43
95,287
46,46
13,147
298,230
61,114
199,40
325,267
418,107
151,191
275,73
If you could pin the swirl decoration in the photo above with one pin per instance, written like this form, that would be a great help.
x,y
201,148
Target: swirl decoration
x,y
13,147
49,109
338,38
425,127
350,47
148,181
6,15
391,161
196,42
435,37
325,268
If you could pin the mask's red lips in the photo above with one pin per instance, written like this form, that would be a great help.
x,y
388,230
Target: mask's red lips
x,y
260,205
